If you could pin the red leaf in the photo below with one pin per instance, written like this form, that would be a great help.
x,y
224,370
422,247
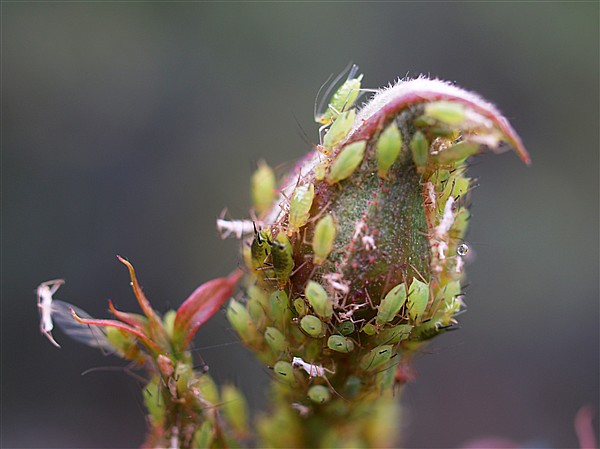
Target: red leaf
x,y
155,323
133,319
200,306
117,324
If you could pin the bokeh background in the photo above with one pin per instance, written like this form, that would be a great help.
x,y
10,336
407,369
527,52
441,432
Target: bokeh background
x,y
128,127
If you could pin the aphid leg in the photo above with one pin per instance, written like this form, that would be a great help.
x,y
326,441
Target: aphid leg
x,y
298,268
126,369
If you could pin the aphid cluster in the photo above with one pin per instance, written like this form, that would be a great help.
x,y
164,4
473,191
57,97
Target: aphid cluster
x,y
359,260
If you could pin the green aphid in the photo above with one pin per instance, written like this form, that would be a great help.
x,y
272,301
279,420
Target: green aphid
x,y
323,239
282,258
275,339
457,152
169,321
184,375
320,170
153,400
319,394
346,162
300,307
427,330
203,437
388,148
125,344
461,222
257,312
235,409
284,372
451,290
300,205
456,186
393,335
449,112
340,344
418,298
343,98
260,247
279,309
419,147
346,328
240,319
339,129
312,326
391,304
352,387
208,389
262,188
369,329
377,357
257,293
317,298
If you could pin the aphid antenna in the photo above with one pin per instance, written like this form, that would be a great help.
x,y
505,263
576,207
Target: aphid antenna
x,y
128,369
325,95
322,212
419,273
302,132
350,68
393,364
299,268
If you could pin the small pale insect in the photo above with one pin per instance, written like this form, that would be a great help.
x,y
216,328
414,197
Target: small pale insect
x,y
388,148
441,230
323,239
262,188
420,149
346,162
300,205
343,98
339,129
337,282
53,311
303,410
282,258
238,228
45,291
311,369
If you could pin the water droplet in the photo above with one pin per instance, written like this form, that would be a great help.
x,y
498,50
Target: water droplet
x,y
462,249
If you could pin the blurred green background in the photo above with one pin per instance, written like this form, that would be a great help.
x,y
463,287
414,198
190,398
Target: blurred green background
x,y
128,127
